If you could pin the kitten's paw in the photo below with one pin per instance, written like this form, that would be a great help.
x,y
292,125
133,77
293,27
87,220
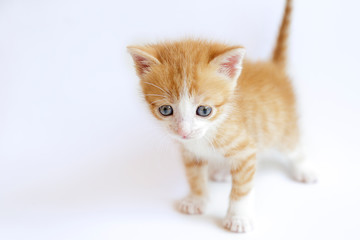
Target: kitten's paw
x,y
304,174
220,176
219,173
192,205
238,224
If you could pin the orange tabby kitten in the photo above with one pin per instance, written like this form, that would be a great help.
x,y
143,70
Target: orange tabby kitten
x,y
223,111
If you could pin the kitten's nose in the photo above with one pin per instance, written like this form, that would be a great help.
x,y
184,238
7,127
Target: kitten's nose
x,y
183,133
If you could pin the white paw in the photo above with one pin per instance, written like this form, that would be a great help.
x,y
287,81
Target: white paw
x,y
219,173
304,174
192,205
220,176
238,224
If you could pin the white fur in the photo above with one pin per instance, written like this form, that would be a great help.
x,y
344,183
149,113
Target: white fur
x,y
185,125
239,217
193,204
300,168
201,148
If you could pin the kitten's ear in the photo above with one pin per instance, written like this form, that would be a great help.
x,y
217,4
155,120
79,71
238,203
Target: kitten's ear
x,y
230,62
143,59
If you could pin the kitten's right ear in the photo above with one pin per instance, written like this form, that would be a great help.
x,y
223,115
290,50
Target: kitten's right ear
x,y
143,59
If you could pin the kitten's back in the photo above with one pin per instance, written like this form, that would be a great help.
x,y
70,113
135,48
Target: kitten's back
x,y
267,102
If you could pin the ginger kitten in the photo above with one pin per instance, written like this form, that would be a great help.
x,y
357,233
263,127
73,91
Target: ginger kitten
x,y
222,110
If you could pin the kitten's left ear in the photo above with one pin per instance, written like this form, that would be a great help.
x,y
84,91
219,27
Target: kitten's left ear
x,y
143,59
229,64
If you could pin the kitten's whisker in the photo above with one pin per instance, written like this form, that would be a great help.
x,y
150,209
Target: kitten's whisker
x,y
156,101
210,143
158,88
158,95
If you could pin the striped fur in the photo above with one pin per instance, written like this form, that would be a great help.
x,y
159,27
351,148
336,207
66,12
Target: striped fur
x,y
279,54
253,108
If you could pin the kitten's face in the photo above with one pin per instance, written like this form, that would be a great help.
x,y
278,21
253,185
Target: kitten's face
x,y
186,85
189,112
187,117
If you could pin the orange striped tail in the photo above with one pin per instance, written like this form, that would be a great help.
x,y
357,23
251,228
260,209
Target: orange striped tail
x,y
280,50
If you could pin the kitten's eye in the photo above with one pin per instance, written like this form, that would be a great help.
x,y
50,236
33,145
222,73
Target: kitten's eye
x,y
203,111
166,110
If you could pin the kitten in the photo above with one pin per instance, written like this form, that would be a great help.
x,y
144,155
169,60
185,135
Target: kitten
x,y
222,110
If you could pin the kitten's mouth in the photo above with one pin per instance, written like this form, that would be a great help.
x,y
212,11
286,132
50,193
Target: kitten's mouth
x,y
186,138
192,136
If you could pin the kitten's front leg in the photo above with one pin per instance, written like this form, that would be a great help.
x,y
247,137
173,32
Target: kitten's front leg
x,y
196,172
239,217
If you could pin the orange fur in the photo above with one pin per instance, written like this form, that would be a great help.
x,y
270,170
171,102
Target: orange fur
x,y
196,175
254,112
279,54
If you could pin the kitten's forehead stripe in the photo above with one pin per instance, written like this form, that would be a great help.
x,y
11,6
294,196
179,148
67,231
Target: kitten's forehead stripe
x,y
183,63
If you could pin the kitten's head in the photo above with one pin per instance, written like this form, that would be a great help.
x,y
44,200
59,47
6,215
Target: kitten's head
x,y
188,84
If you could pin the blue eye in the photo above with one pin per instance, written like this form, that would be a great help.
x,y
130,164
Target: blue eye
x,y
166,110
203,111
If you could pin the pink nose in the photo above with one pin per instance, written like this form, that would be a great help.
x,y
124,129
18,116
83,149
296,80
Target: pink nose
x,y
182,133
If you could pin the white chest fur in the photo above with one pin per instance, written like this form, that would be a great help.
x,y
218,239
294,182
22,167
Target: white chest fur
x,y
202,149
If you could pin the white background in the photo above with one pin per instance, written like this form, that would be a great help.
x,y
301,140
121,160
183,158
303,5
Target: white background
x,y
81,158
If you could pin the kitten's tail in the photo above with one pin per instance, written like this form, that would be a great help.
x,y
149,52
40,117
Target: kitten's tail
x,y
279,54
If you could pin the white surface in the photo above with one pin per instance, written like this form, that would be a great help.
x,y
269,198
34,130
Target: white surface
x,y
81,158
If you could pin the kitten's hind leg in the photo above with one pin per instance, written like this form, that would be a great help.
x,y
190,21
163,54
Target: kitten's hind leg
x,y
300,169
219,172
